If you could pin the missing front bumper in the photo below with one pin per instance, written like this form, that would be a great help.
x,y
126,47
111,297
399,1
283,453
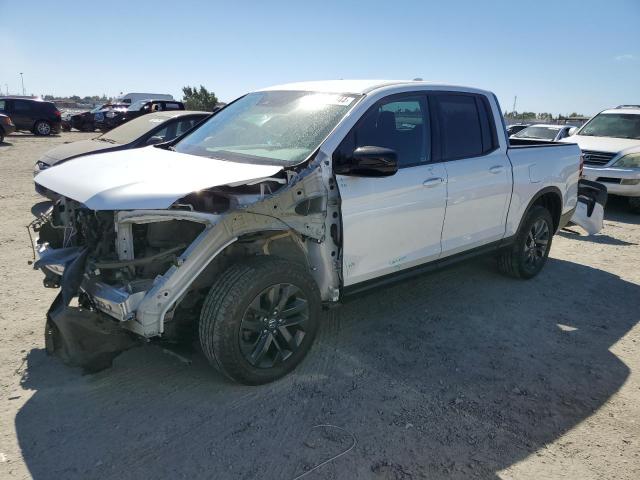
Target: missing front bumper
x,y
84,338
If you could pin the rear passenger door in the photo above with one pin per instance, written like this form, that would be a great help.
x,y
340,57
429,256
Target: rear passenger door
x,y
21,114
392,223
478,171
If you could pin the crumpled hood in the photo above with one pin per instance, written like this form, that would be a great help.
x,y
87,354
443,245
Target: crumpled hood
x,y
144,178
74,149
602,144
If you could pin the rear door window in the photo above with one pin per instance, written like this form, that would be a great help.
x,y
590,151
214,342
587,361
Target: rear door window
x,y
465,124
460,132
21,106
3,105
171,106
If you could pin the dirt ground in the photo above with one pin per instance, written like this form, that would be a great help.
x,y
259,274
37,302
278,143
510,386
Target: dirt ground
x,y
460,374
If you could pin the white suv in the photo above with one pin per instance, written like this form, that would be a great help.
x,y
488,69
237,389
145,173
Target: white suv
x,y
610,144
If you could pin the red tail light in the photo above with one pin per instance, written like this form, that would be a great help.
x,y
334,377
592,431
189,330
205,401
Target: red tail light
x,y
58,114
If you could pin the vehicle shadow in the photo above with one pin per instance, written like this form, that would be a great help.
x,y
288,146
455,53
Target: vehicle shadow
x,y
33,135
602,239
463,372
617,210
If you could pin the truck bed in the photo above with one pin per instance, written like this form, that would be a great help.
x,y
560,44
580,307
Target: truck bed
x,y
553,164
525,142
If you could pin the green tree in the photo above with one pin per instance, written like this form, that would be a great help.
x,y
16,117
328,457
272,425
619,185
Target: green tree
x,y
199,99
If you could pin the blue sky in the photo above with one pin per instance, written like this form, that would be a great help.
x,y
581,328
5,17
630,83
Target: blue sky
x,y
555,55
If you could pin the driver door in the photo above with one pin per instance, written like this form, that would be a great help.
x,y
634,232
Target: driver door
x,y
392,223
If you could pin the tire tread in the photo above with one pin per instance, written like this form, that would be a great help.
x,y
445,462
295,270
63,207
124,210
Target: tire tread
x,y
227,292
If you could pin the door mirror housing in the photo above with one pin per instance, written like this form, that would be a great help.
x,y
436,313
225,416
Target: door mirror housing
x,y
572,130
369,162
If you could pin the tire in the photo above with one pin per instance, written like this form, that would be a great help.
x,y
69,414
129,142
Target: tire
x,y
634,204
1,136
42,128
239,332
528,254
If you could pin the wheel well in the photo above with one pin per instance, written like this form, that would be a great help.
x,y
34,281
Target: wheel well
x,y
553,203
283,244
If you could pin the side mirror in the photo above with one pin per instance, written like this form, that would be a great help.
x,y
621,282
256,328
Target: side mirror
x,y
572,130
154,140
369,162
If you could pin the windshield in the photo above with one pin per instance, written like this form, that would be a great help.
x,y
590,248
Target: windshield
x,y
134,107
543,133
98,108
275,127
618,125
130,131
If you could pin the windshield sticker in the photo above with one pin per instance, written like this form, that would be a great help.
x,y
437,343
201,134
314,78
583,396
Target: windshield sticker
x,y
339,100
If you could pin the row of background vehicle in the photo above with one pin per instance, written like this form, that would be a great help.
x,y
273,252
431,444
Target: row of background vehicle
x,y
110,115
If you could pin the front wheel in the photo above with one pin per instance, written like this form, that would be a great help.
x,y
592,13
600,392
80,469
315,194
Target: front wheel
x,y
529,252
42,128
634,204
259,319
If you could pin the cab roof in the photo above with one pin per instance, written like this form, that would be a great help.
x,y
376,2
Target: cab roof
x,y
355,86
629,109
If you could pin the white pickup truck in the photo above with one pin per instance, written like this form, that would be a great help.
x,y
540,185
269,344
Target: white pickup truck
x,y
287,200
610,144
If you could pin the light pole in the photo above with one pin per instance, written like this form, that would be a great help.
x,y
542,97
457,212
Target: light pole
x,y
22,79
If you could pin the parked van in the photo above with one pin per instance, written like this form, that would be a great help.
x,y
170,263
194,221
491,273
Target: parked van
x,y
136,96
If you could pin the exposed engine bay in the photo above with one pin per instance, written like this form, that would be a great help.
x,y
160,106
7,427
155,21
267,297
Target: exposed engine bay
x,y
146,271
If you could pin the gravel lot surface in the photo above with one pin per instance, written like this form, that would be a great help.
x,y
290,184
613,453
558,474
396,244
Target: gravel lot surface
x,y
460,374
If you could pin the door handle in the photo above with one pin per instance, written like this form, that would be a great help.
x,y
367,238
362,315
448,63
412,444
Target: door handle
x,y
496,169
432,182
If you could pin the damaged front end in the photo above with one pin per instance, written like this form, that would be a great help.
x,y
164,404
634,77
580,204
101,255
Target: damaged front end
x,y
134,274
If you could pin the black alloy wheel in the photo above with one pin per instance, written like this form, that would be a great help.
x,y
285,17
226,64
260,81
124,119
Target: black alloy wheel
x,y
535,247
273,325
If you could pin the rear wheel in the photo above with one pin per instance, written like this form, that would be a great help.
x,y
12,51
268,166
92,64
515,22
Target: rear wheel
x,y
528,254
42,127
259,319
634,204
